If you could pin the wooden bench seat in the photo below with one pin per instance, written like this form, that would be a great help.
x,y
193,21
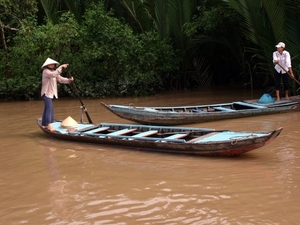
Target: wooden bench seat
x,y
121,132
146,133
202,137
224,109
250,105
100,129
89,130
177,136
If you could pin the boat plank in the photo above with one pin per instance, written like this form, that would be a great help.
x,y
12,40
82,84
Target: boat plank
x,y
121,132
250,105
224,109
88,128
146,133
202,137
176,136
100,129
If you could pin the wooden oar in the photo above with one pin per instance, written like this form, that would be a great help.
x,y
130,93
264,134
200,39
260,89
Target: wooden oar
x,y
289,74
82,105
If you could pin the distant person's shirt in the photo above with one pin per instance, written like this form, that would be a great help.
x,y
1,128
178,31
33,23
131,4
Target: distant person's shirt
x,y
284,61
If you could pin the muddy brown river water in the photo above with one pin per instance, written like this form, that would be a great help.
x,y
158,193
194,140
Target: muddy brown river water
x,y
48,181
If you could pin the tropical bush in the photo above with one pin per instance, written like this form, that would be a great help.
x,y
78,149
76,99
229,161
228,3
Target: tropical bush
x,y
105,57
146,46
132,64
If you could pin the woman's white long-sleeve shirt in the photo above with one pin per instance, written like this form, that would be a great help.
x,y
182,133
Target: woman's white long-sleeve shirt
x,y
284,61
49,82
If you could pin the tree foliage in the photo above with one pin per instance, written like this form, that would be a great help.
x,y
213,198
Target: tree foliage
x,y
130,64
105,56
139,47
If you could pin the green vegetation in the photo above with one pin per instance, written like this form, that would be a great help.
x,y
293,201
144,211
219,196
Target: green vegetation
x,y
135,47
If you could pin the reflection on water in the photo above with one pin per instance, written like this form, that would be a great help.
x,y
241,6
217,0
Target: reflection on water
x,y
48,181
59,199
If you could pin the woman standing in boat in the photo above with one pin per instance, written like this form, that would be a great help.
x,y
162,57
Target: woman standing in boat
x,y
50,77
282,61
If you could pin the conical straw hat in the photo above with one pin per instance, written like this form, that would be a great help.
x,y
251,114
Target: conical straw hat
x,y
69,122
49,61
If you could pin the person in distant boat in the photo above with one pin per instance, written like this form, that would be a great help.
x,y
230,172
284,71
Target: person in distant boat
x,y
282,58
50,76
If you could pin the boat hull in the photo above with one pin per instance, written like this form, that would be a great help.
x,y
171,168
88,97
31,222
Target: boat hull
x,y
237,144
195,114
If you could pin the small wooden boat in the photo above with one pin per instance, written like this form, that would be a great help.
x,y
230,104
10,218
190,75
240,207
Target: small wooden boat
x,y
178,115
166,139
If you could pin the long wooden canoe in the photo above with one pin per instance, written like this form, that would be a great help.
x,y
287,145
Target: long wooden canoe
x,y
166,139
178,115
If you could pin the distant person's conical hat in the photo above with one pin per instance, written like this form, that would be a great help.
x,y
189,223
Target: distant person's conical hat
x,y
69,122
50,61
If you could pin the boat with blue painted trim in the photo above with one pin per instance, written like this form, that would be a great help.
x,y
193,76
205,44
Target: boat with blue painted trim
x,y
165,139
179,115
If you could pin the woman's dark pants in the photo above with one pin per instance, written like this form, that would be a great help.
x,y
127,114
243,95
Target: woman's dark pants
x,y
48,115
